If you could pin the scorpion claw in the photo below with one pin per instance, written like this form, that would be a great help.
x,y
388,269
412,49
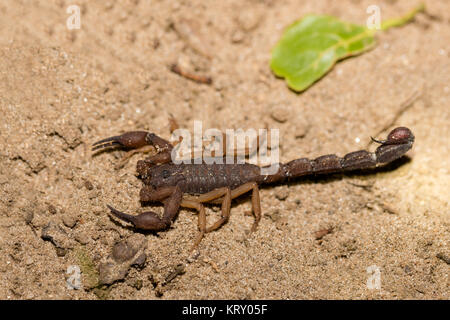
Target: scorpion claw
x,y
121,215
105,143
147,220
129,140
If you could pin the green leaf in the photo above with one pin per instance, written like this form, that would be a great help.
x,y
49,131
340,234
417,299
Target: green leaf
x,y
310,47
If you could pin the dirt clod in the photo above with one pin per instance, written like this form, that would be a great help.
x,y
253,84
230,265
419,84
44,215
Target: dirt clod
x,y
117,265
443,257
69,220
122,251
82,237
280,114
140,261
56,235
281,193
110,273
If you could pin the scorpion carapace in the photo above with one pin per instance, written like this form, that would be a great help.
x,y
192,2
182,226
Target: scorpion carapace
x,y
191,185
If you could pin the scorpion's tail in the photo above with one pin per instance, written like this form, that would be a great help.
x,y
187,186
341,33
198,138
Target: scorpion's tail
x,y
398,142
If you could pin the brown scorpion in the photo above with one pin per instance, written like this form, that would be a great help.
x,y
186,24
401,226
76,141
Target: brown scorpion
x,y
167,182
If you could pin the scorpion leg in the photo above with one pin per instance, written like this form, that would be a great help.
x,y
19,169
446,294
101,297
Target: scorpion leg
x,y
226,207
223,196
256,202
148,194
192,204
196,203
170,197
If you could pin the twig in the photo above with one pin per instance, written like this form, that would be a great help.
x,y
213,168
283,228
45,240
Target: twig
x,y
191,76
318,235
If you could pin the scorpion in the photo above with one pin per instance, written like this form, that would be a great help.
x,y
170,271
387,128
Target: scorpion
x,y
191,185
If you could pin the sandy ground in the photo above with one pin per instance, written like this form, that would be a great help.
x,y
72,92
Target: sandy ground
x,y
61,90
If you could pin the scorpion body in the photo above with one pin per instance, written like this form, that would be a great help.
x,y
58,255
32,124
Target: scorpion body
x,y
167,182
200,178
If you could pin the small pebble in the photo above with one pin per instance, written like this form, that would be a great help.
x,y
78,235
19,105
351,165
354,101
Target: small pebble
x,y
389,208
28,216
109,273
98,210
122,252
282,223
92,194
3,179
57,236
249,20
88,185
60,252
238,36
140,261
29,296
443,257
138,284
281,193
194,256
280,114
318,235
158,293
82,238
52,209
274,215
69,220
179,270
407,269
